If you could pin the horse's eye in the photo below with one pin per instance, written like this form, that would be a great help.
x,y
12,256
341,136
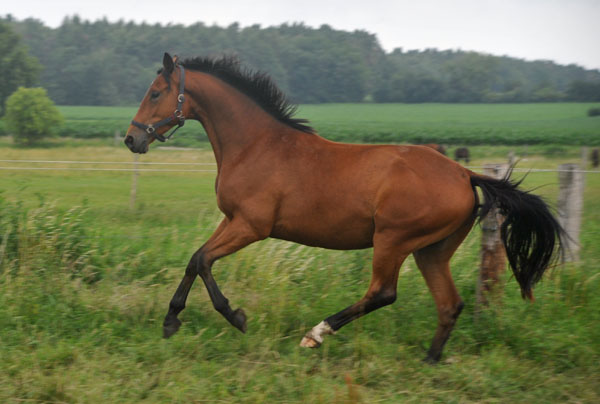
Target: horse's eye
x,y
154,95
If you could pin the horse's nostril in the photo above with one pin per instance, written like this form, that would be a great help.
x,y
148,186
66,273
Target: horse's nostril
x,y
129,140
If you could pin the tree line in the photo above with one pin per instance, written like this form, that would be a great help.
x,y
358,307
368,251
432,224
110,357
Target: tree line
x,y
112,63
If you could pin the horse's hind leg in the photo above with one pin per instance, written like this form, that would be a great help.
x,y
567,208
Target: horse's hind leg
x,y
229,237
381,292
433,261
447,300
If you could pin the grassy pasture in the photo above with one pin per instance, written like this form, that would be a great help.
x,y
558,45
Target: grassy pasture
x,y
85,282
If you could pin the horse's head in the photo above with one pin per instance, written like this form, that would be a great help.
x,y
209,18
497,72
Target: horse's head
x,y
161,108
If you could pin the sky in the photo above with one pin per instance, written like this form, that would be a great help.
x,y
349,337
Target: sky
x,y
564,31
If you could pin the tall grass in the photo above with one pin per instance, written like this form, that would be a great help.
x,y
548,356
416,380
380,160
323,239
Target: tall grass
x,y
84,288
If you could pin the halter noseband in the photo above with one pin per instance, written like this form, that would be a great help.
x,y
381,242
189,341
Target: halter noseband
x,y
177,115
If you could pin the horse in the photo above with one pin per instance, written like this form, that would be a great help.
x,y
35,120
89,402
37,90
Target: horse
x,y
462,153
276,177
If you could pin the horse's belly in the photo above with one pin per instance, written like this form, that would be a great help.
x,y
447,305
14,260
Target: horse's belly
x,y
348,234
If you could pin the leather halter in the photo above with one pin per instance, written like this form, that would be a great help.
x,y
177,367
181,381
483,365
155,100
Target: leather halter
x,y
177,115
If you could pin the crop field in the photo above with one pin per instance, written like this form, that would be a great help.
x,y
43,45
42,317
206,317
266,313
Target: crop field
x,y
454,124
86,278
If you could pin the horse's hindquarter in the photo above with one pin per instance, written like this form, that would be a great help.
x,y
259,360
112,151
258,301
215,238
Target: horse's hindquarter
x,y
427,198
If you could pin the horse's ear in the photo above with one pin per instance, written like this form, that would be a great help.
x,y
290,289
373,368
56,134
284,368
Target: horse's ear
x,y
168,64
175,60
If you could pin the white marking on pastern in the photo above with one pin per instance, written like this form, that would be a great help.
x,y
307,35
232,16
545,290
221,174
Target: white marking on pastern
x,y
314,338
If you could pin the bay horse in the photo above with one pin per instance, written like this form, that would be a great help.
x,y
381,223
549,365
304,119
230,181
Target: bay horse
x,y
276,177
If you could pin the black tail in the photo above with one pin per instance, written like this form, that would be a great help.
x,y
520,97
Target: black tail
x,y
529,232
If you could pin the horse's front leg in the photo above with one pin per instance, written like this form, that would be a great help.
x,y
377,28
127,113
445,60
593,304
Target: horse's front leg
x,y
230,236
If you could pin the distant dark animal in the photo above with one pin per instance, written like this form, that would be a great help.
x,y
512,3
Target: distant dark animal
x,y
594,158
276,177
437,147
462,153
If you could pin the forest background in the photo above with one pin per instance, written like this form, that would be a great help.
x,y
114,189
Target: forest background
x,y
112,63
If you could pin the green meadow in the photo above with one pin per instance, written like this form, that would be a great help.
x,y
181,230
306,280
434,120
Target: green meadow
x,y
86,278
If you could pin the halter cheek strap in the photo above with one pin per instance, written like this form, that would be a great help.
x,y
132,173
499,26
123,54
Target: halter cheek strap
x,y
177,115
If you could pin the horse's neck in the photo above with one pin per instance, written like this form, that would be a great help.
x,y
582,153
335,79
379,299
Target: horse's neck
x,y
232,121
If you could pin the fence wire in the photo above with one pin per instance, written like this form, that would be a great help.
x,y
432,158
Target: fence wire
x,y
135,169
106,169
105,162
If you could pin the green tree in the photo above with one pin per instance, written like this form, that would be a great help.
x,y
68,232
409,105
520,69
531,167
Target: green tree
x,y
17,68
584,91
111,63
469,77
31,115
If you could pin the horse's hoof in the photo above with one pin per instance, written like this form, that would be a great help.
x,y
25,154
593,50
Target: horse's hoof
x,y
309,342
171,327
238,319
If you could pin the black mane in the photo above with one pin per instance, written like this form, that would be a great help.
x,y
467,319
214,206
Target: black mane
x,y
256,85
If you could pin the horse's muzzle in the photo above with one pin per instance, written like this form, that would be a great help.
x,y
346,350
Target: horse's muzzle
x,y
137,144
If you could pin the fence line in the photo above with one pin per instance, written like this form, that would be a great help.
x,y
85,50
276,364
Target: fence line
x,y
108,169
538,170
104,162
525,170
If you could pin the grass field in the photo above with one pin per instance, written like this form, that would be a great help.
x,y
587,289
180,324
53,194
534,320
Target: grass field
x,y
85,282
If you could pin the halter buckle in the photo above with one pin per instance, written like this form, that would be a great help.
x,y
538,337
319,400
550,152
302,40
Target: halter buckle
x,y
150,129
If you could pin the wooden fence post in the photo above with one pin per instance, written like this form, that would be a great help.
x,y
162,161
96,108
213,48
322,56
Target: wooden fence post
x,y
512,158
493,256
134,181
117,138
570,207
